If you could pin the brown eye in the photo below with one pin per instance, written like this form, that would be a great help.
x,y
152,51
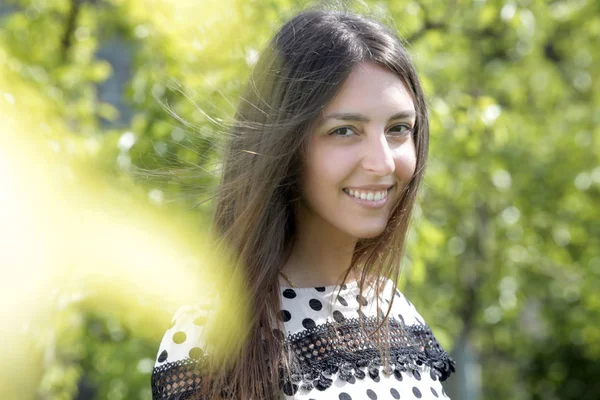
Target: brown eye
x,y
345,131
400,130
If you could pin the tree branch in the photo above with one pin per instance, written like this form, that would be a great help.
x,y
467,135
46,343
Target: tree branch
x,y
67,38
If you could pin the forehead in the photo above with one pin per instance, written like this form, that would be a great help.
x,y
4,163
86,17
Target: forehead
x,y
372,90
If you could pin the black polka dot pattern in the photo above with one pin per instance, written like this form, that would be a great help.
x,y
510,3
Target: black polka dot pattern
x,y
416,392
432,374
196,353
361,300
374,373
306,311
315,304
361,314
179,337
290,389
285,316
338,316
401,318
308,323
398,375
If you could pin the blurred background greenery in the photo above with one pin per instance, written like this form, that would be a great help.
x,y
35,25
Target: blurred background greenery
x,y
504,254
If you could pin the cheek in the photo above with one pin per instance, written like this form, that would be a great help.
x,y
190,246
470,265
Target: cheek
x,y
406,162
328,168
312,179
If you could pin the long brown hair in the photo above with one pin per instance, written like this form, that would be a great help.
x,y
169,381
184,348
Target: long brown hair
x,y
298,73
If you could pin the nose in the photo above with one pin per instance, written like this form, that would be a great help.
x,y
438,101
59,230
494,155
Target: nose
x,y
377,157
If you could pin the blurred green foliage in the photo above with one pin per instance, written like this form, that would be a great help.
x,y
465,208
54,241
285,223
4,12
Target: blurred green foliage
x,y
504,256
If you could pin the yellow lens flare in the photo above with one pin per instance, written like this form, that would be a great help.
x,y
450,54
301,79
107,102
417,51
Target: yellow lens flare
x,y
64,229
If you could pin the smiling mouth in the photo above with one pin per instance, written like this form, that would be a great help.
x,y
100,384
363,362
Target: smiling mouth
x,y
368,195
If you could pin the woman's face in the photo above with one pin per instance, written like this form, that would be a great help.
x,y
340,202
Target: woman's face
x,y
360,154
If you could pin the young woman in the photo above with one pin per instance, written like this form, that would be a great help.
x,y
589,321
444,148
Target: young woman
x,y
327,151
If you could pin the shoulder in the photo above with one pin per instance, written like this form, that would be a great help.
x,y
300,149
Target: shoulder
x,y
184,338
178,368
419,332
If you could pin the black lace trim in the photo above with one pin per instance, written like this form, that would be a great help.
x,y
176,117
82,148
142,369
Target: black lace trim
x,y
176,380
331,348
327,349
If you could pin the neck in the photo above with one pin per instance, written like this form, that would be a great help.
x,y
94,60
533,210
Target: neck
x,y
321,253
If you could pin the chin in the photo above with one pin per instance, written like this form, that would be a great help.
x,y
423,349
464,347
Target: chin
x,y
369,236
368,233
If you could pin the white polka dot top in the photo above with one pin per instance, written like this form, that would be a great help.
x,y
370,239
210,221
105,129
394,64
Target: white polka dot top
x,y
331,357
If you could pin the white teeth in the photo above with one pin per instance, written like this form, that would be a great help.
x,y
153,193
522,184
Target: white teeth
x,y
369,196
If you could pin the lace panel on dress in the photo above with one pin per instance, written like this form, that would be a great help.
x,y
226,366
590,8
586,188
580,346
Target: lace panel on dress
x,y
319,352
345,349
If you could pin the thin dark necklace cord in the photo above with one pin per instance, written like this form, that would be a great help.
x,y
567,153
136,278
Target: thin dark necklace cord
x,y
287,279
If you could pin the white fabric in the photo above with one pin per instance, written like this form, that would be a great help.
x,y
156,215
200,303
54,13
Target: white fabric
x,y
183,340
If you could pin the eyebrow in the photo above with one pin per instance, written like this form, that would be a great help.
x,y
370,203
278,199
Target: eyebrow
x,y
406,114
